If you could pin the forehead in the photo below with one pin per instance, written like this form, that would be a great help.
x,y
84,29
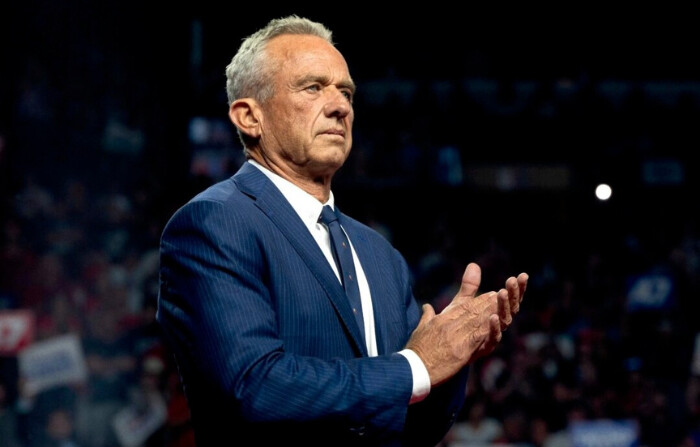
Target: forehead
x,y
304,51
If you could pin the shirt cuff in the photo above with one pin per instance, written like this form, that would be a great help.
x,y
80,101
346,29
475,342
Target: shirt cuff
x,y
421,378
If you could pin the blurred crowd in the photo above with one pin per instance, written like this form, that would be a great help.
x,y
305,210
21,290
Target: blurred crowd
x,y
607,331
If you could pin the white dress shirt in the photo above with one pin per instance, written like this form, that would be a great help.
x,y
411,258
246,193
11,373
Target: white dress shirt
x,y
309,209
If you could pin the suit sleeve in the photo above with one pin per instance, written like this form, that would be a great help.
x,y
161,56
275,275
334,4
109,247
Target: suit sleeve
x,y
216,310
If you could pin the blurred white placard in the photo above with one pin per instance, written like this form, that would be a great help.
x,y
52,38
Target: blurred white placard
x,y
53,362
135,423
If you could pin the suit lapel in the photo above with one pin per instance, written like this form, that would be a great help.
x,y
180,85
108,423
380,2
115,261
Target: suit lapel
x,y
271,202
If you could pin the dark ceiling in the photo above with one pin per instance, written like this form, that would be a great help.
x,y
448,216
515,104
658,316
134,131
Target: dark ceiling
x,y
409,41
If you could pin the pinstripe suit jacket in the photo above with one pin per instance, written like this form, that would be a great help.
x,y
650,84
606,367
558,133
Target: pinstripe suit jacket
x,y
265,341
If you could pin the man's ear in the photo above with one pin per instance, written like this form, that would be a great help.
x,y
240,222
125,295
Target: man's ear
x,y
244,114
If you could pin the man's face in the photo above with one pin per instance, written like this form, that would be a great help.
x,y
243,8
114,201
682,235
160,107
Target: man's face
x,y
307,124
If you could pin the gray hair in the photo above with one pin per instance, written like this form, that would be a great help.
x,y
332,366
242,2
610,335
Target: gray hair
x,y
249,73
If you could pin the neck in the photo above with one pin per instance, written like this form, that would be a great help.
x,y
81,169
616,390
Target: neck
x,y
318,186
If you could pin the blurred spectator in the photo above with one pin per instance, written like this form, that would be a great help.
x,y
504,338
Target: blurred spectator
x,y
58,430
178,429
48,279
58,316
79,248
561,437
46,418
479,428
516,428
141,421
112,368
8,419
16,262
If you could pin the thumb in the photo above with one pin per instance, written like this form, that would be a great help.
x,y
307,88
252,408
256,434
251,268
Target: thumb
x,y
471,279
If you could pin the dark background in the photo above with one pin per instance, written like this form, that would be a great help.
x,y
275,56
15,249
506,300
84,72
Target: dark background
x,y
144,65
139,61
539,105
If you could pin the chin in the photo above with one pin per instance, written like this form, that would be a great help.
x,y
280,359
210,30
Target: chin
x,y
326,167
335,155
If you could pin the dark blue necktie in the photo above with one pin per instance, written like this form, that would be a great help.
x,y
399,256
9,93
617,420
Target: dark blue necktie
x,y
343,259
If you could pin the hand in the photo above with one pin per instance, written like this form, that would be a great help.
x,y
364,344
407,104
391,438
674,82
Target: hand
x,y
469,328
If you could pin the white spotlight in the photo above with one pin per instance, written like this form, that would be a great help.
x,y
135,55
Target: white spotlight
x,y
603,191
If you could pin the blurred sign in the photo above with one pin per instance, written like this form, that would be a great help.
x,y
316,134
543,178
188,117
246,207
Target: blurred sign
x,y
216,152
135,423
604,433
16,330
663,172
651,291
52,362
545,177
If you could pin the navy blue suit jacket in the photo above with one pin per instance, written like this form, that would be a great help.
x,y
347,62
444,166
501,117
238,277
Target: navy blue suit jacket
x,y
265,341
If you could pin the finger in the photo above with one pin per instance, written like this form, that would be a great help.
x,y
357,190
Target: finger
x,y
518,292
471,279
490,339
495,333
505,314
428,314
522,284
514,294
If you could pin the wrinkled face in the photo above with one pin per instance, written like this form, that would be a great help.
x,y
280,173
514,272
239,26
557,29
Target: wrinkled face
x,y
307,124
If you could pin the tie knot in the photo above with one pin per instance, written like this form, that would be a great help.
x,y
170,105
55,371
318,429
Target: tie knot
x,y
328,215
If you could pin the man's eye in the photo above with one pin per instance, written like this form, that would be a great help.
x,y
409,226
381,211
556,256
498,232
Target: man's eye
x,y
348,96
313,88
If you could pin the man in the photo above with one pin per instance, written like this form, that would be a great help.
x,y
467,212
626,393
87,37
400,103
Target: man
x,y
266,341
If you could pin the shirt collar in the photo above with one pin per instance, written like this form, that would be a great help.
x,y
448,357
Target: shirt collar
x,y
306,206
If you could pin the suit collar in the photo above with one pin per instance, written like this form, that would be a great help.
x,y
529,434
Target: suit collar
x,y
268,198
306,206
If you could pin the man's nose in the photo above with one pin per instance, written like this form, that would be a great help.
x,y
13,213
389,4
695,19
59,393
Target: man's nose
x,y
337,104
